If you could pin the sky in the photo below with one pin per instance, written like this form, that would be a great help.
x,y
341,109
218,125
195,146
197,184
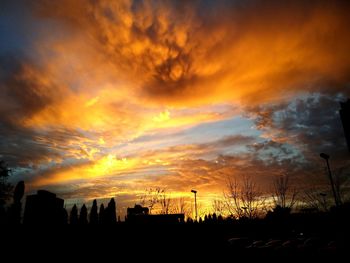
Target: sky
x,y
104,99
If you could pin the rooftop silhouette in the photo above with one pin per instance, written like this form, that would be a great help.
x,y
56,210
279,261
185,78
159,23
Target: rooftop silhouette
x,y
44,208
139,214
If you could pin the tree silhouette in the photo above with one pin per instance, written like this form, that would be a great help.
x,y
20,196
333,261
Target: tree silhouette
x,y
64,216
189,220
83,215
215,218
206,219
179,206
220,219
165,202
316,199
152,197
74,215
101,215
283,196
219,207
244,200
110,213
93,213
5,188
14,213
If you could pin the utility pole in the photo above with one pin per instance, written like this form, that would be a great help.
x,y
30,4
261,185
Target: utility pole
x,y
326,157
195,201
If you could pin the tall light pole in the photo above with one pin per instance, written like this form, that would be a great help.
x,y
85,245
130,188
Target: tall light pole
x,y
326,157
195,201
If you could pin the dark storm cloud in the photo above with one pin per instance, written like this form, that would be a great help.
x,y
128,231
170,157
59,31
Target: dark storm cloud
x,y
18,148
20,97
300,131
24,93
312,122
203,51
30,148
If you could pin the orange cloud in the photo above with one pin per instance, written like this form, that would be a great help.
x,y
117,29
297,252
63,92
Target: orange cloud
x,y
161,55
115,71
190,55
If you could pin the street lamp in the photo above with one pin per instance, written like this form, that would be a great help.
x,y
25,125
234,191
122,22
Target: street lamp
x,y
195,201
326,157
324,204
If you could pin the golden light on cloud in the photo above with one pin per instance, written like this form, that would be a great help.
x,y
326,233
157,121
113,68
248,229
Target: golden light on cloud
x,y
105,166
157,92
163,116
91,102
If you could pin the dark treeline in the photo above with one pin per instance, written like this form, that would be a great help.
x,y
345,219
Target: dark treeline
x,y
279,231
103,216
45,208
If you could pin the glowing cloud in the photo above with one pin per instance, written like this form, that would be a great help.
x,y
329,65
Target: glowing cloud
x,y
168,93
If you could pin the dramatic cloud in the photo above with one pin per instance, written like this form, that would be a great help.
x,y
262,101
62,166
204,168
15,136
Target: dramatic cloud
x,y
311,123
105,98
199,52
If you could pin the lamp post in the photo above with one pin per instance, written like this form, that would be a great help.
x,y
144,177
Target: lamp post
x,y
195,201
326,157
324,203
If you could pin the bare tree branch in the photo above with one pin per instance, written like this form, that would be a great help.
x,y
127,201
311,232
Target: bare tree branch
x,y
244,199
283,195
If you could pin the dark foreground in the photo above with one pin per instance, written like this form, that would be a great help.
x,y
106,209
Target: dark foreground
x,y
249,240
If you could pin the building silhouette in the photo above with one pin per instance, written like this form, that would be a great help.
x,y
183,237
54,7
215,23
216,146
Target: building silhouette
x,y
44,208
345,118
137,210
139,214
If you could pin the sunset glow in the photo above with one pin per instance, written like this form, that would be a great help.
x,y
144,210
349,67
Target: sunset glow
x,y
105,99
